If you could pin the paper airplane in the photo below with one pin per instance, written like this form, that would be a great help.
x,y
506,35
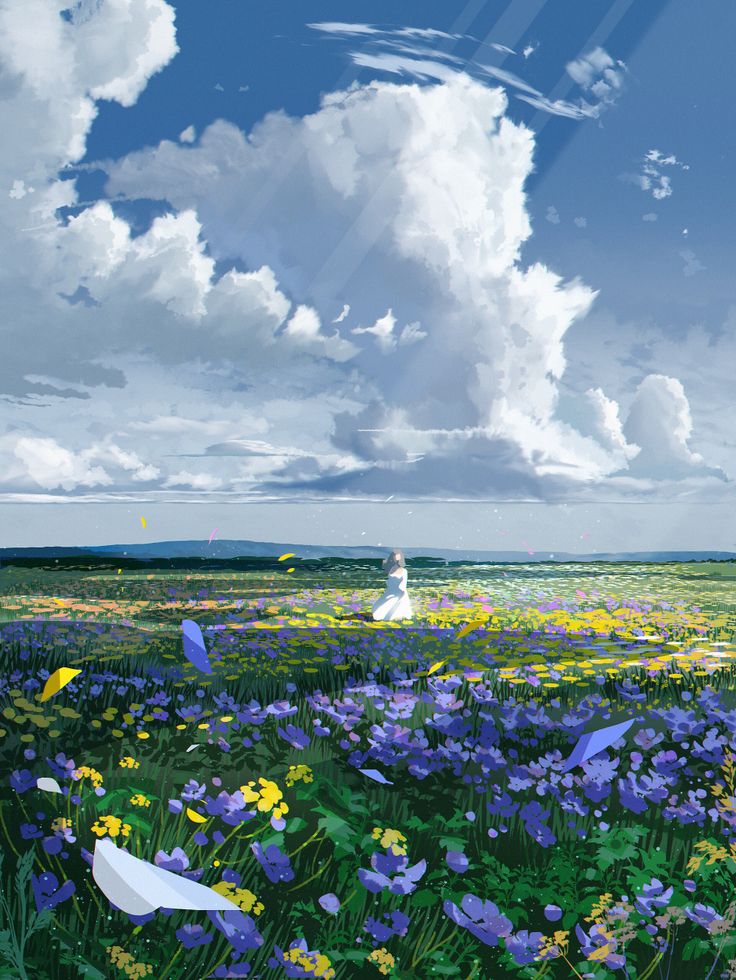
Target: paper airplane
x,y
138,887
194,648
595,742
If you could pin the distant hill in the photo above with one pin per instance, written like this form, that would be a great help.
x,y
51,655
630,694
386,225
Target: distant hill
x,y
230,550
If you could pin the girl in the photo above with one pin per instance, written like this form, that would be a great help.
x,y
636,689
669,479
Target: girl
x,y
394,603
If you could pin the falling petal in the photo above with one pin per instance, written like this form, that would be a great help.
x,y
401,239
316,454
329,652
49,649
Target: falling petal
x,y
194,648
194,816
143,522
435,667
595,742
193,747
289,554
138,887
469,628
48,784
376,775
212,536
60,678
289,569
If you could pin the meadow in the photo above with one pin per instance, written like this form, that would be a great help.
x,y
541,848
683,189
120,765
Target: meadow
x,y
376,799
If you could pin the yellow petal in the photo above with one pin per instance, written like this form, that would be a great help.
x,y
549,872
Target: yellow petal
x,y
289,569
289,554
143,521
60,678
194,816
437,666
469,628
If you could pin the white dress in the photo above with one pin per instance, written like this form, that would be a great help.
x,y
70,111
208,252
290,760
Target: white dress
x,y
394,603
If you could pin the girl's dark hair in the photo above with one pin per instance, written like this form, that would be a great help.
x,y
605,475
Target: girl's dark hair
x,y
396,558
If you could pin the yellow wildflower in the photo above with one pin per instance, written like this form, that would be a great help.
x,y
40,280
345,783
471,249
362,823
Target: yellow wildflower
x,y
383,960
128,762
112,826
390,838
85,772
126,962
266,797
312,963
241,896
61,824
297,773
140,800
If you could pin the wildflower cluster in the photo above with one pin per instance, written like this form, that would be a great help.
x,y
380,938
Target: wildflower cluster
x,y
128,762
297,773
390,838
140,800
112,826
240,896
86,772
383,960
127,963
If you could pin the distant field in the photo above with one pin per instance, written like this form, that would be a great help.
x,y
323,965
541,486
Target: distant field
x,y
464,849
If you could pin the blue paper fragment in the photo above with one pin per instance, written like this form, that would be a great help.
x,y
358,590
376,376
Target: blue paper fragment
x,y
375,774
194,649
595,742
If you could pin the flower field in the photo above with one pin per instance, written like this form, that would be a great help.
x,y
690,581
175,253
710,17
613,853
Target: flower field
x,y
374,799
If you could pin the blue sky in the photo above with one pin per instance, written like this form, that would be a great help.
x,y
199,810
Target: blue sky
x,y
288,259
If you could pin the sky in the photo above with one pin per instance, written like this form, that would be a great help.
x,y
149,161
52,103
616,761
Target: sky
x,y
461,279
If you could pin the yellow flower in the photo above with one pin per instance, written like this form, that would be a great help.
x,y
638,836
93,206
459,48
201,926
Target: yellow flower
x,y
85,772
128,762
390,838
140,800
61,823
266,797
241,896
126,962
382,959
112,826
297,773
313,964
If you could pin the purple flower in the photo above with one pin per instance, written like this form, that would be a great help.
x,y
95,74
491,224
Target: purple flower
x,y
524,946
52,845
241,969
703,915
29,831
193,791
295,736
47,892
274,862
403,880
481,919
290,968
239,929
457,861
599,937
21,780
176,861
192,935
330,903
552,913
654,896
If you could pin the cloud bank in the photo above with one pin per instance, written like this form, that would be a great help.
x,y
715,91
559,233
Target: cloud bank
x,y
395,213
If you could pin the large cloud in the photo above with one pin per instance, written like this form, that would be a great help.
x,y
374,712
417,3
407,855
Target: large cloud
x,y
418,195
402,205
